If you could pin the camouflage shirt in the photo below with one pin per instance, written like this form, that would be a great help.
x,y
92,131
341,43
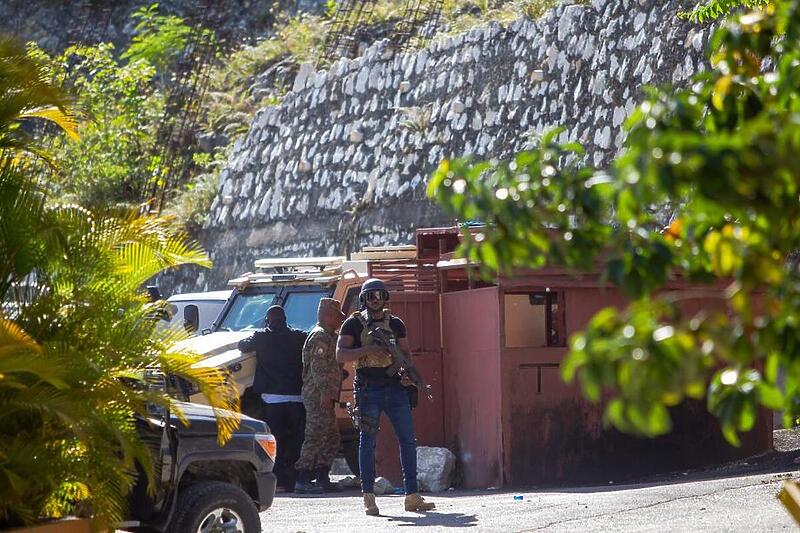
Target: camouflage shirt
x,y
322,375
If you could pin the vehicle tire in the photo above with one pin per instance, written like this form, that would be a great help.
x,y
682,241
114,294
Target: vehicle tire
x,y
350,452
215,506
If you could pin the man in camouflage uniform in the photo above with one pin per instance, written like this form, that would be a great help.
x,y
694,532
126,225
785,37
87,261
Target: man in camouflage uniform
x,y
322,377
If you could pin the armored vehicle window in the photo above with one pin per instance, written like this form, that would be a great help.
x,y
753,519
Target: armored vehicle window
x,y
247,311
350,304
301,309
209,309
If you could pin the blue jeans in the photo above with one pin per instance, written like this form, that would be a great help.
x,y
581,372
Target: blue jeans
x,y
392,400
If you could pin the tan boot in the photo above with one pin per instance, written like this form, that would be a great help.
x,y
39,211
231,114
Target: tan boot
x,y
415,503
370,507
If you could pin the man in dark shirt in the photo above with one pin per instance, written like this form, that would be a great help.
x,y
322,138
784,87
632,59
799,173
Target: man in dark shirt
x,y
278,381
377,392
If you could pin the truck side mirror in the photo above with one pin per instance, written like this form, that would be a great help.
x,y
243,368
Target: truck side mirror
x,y
191,318
153,294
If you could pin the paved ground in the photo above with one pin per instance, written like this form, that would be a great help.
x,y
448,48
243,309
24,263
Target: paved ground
x,y
739,496
743,503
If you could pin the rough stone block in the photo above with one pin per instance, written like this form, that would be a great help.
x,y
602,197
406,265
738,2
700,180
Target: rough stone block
x,y
304,74
422,61
356,136
435,468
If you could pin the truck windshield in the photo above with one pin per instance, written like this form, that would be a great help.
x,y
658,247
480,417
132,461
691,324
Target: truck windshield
x,y
247,312
301,309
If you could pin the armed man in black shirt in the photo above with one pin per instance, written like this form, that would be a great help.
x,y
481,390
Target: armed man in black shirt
x,y
278,381
377,392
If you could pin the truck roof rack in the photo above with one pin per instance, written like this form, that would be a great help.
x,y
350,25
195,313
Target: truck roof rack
x,y
294,270
408,251
321,270
285,265
295,278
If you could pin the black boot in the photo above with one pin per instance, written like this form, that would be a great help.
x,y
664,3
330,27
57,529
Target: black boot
x,y
324,480
304,485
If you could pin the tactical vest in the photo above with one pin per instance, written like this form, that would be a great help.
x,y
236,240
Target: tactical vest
x,y
382,360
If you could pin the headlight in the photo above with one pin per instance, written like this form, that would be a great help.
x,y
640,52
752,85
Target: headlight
x,y
268,444
155,379
181,387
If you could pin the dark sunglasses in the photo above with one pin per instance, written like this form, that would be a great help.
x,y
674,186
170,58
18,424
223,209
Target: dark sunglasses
x,y
374,296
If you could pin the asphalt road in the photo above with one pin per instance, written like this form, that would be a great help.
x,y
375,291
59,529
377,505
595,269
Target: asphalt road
x,y
739,503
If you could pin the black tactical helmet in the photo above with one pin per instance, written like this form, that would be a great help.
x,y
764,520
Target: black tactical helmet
x,y
373,284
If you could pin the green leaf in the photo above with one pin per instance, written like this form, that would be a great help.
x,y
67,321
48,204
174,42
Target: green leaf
x,y
575,359
658,420
590,384
729,432
770,396
692,221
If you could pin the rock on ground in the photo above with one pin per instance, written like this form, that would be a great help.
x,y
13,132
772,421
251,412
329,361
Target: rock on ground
x,y
434,468
349,482
383,486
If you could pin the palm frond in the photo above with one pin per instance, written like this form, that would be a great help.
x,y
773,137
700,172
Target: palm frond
x,y
65,120
72,359
27,93
215,384
13,338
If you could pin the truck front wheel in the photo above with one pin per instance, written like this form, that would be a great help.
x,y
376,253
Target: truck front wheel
x,y
215,506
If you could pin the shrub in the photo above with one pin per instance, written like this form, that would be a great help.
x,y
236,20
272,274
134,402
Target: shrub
x,y
122,110
75,328
159,39
722,154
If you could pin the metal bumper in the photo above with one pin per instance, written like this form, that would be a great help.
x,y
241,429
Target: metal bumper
x,y
266,482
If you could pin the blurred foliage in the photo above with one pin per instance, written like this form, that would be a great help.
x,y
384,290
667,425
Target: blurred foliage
x,y
77,334
721,155
189,207
714,9
463,16
159,39
40,100
122,109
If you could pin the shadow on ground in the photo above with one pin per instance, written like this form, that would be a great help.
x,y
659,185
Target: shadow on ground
x,y
436,519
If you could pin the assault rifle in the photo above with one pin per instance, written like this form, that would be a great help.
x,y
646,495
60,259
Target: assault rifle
x,y
399,360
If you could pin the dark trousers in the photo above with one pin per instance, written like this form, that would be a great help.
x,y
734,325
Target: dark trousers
x,y
391,399
287,421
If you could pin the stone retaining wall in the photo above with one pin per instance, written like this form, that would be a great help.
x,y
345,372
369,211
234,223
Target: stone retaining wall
x,y
343,161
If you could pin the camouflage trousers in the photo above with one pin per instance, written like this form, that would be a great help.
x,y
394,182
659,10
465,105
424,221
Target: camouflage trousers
x,y
321,443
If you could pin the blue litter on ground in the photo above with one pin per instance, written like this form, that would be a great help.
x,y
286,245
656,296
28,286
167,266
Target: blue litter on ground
x,y
519,498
